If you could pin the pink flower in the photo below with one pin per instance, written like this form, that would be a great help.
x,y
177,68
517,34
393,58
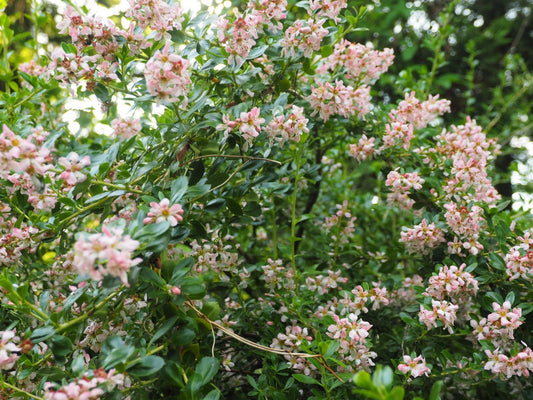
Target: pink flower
x,y
416,367
8,349
328,8
239,36
452,282
167,77
327,100
106,253
504,317
162,212
364,149
73,165
126,127
303,35
421,238
160,16
440,310
519,259
282,128
361,63
248,123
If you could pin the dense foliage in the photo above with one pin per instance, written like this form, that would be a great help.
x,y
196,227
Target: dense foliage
x,y
250,213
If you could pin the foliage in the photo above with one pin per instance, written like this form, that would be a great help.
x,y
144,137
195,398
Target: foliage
x,y
250,214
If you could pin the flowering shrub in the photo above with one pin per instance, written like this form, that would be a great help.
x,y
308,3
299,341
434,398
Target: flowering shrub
x,y
249,217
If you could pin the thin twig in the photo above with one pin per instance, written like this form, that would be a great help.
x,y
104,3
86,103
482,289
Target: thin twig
x,y
235,336
229,156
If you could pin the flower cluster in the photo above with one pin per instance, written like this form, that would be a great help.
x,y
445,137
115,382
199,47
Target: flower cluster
x,y
85,388
414,366
453,283
499,326
160,16
216,256
126,128
91,31
291,341
106,253
327,8
411,114
277,276
166,76
248,124
283,128
469,149
505,366
15,242
322,284
327,100
303,35
401,185
440,311
466,224
340,225
32,69
269,11
351,332
422,238
73,165
238,37
25,163
519,259
97,43
362,64
8,349
406,294
419,113
364,149
161,211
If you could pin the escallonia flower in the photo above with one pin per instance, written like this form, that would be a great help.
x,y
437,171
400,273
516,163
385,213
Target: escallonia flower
x,y
163,211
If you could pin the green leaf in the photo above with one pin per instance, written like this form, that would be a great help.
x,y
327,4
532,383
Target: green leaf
x,y
148,365
193,287
435,390
78,364
257,52
178,188
362,379
212,395
397,393
496,261
180,270
326,51
408,319
102,93
252,208
309,380
206,369
40,334
510,297
382,376
61,346
115,352
211,309
215,205
164,328
114,193
74,296
149,275
369,393
183,337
